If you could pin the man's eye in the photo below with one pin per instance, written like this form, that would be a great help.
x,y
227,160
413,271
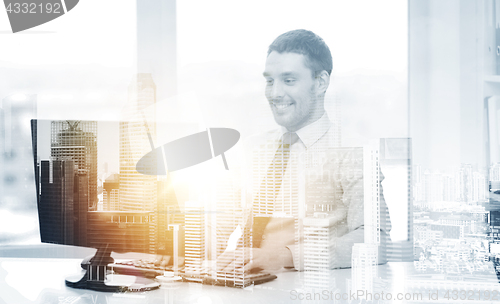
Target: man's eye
x,y
269,82
289,81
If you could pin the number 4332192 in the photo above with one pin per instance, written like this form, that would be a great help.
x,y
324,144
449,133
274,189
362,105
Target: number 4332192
x,y
34,8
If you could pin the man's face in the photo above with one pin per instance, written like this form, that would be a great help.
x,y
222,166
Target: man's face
x,y
291,90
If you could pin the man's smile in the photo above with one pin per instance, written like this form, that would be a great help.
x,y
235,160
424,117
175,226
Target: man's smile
x,y
281,106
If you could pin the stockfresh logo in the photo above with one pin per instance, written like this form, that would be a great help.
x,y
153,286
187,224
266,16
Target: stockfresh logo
x,y
28,14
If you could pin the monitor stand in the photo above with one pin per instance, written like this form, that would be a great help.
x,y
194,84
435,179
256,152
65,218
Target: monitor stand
x,y
97,277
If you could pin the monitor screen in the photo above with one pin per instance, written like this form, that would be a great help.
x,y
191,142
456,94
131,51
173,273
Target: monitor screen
x,y
90,194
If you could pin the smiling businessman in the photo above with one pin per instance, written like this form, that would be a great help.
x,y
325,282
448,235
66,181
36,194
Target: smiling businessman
x,y
300,165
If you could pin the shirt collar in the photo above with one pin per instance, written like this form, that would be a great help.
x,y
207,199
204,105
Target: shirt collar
x,y
312,132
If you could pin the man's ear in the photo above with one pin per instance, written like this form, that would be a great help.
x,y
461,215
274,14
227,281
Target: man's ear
x,y
322,82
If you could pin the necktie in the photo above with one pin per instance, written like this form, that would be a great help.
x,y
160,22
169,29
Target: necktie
x,y
270,187
263,203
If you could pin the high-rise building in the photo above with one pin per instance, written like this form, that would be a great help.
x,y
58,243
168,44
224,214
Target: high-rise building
x,y
267,201
433,187
418,184
275,171
122,231
396,162
16,174
81,206
231,235
77,140
56,210
138,192
157,43
449,192
63,203
111,193
371,189
36,162
495,172
464,183
156,55
168,213
319,251
494,177
364,267
479,188
194,235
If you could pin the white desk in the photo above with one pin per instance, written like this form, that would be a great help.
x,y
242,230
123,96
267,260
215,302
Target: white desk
x,y
41,280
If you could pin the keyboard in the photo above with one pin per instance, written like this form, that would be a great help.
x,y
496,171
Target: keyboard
x,y
148,269
142,268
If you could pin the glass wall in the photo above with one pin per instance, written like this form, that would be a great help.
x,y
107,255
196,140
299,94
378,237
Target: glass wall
x,y
206,60
453,88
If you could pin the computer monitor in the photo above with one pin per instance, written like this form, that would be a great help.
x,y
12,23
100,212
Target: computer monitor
x,y
90,194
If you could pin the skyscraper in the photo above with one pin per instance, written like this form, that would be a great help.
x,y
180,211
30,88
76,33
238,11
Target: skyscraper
x,y
81,206
395,160
494,177
319,250
364,267
77,140
111,193
479,188
56,202
195,249
168,213
464,183
36,163
231,235
157,43
433,187
371,178
121,231
63,203
139,192
276,171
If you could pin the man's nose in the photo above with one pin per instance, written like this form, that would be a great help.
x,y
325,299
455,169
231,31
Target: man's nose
x,y
277,91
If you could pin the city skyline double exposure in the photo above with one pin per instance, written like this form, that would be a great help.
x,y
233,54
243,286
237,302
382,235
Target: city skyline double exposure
x,y
157,131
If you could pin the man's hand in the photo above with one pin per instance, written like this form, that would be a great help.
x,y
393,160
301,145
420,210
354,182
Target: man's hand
x,y
247,259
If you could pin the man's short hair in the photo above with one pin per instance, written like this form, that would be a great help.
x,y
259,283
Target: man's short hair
x,y
307,43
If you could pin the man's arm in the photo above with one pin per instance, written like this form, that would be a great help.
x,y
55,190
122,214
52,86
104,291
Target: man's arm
x,y
352,181
349,174
343,250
